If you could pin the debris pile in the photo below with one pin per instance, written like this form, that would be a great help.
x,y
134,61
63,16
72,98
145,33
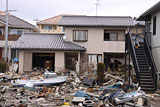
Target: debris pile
x,y
68,89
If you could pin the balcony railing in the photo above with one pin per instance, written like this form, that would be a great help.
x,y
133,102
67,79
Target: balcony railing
x,y
10,37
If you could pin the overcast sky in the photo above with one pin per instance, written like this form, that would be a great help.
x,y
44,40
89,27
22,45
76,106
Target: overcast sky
x,y
41,9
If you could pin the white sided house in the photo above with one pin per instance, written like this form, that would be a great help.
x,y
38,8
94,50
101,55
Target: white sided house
x,y
152,29
102,36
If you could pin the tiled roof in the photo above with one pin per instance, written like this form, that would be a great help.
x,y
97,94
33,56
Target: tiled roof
x,y
14,21
96,21
55,20
52,20
39,41
148,13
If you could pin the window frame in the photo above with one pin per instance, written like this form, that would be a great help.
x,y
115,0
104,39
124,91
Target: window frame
x,y
109,39
154,24
97,57
48,27
15,31
74,36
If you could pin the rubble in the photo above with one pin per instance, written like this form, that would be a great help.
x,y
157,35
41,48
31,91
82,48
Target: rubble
x,y
75,91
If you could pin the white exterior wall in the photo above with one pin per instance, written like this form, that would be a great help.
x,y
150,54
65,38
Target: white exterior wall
x,y
155,40
27,61
21,61
59,61
96,43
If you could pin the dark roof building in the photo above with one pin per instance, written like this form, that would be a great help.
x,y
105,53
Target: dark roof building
x,y
51,42
99,21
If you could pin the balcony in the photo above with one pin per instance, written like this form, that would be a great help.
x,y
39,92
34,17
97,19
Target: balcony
x,y
10,37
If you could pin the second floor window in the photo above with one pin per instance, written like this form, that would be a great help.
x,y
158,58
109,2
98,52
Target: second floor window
x,y
80,35
47,27
110,37
16,32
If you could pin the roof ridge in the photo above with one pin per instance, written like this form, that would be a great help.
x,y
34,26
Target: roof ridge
x,y
37,33
102,16
23,20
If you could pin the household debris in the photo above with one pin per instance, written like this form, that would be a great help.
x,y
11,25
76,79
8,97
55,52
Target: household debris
x,y
49,89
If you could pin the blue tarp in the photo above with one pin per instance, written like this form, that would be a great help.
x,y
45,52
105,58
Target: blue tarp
x,y
82,94
15,60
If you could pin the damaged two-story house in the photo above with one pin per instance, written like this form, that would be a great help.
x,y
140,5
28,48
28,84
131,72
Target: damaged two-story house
x,y
102,36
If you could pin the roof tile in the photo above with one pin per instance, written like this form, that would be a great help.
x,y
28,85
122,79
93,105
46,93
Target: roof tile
x,y
96,21
39,41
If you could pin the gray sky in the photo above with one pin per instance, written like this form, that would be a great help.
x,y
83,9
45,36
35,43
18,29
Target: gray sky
x,y
41,9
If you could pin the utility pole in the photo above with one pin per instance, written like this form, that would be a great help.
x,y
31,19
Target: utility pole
x,y
97,4
6,33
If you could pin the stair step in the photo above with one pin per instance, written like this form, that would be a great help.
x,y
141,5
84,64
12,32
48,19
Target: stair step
x,y
146,79
142,60
141,57
139,53
146,76
139,49
146,86
142,69
144,66
148,83
147,89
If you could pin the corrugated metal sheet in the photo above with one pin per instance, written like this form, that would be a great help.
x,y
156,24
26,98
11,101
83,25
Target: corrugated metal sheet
x,y
39,41
96,21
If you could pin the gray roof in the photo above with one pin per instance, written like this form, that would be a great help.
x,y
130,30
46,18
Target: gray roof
x,y
139,23
107,21
39,41
148,13
16,22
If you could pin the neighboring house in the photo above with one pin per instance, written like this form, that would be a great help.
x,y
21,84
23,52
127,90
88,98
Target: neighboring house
x,y
50,25
16,27
102,36
152,30
38,50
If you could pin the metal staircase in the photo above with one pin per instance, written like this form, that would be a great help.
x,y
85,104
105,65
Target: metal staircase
x,y
143,62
